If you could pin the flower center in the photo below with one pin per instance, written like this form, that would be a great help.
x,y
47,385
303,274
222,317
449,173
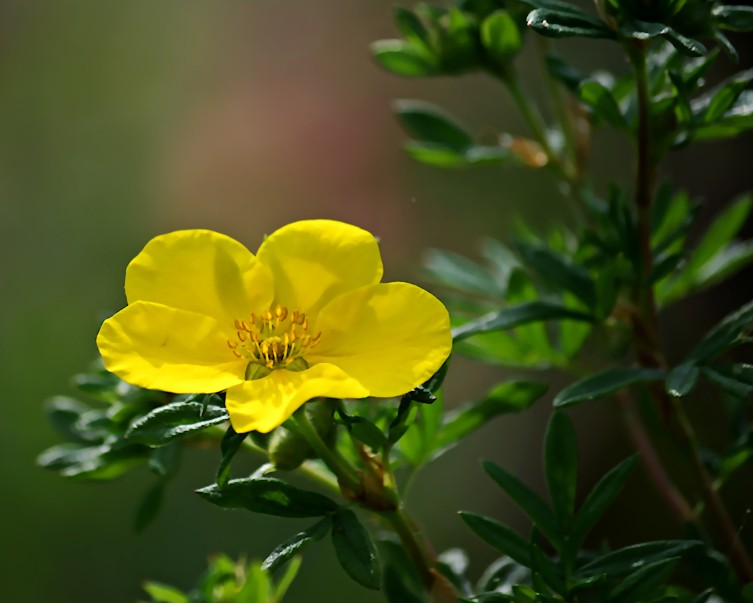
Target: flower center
x,y
274,339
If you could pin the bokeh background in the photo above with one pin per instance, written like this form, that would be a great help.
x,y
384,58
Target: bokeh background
x,y
122,120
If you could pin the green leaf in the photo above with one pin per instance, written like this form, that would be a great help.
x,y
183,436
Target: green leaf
x,y
283,553
622,562
544,569
458,272
96,462
419,444
508,397
499,536
150,506
564,72
602,103
716,103
355,549
558,23
735,121
645,30
365,431
561,466
411,27
530,502
428,123
64,413
165,460
603,384
163,593
734,18
257,586
501,37
725,335
721,232
171,421
682,379
395,588
404,58
644,581
230,444
440,156
735,381
287,578
559,271
599,499
270,496
520,314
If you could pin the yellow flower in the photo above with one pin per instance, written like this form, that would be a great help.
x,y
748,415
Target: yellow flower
x,y
306,317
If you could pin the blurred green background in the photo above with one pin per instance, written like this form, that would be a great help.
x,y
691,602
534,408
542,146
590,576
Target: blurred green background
x,y
122,120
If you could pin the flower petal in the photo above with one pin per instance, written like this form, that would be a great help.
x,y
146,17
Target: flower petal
x,y
158,347
263,404
200,271
313,261
391,337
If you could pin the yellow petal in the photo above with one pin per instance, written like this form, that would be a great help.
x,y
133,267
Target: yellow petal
x,y
200,271
263,404
158,347
391,337
313,261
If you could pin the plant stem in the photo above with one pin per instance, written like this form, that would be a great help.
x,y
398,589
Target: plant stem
x,y
386,503
736,551
345,473
439,588
557,99
641,440
566,171
645,319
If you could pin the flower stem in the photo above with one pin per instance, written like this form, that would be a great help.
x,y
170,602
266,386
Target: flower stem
x,y
345,473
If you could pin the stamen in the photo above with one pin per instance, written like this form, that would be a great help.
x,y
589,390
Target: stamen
x,y
274,338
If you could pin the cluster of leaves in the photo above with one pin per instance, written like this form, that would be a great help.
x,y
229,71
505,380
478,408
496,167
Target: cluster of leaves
x,y
488,35
228,581
138,426
637,572
535,304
